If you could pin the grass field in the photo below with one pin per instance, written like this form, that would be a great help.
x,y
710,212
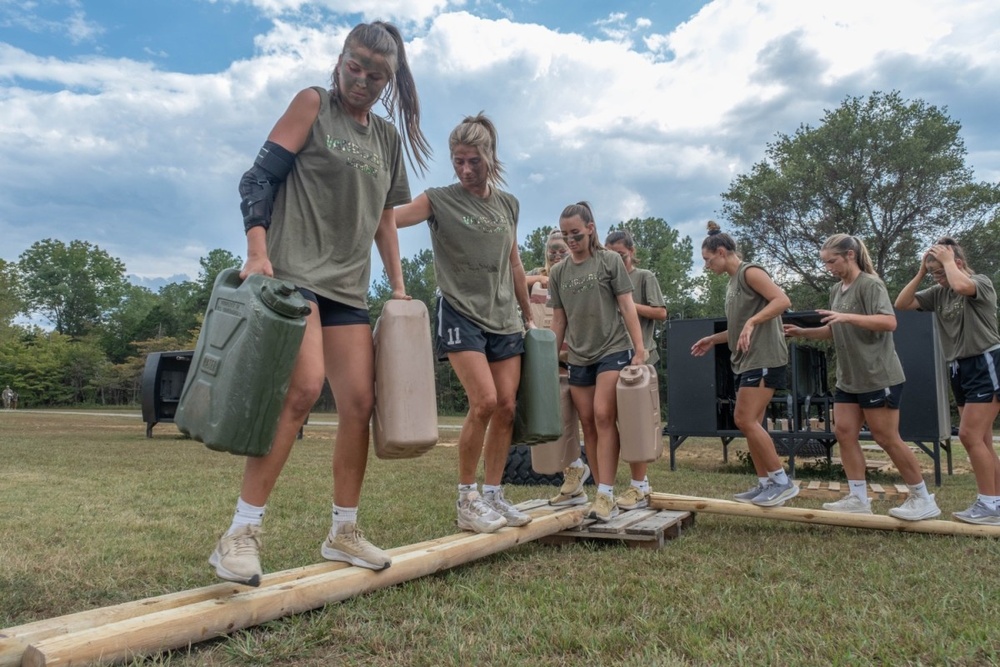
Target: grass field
x,y
93,514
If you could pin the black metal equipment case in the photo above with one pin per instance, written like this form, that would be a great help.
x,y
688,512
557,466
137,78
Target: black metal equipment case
x,y
162,381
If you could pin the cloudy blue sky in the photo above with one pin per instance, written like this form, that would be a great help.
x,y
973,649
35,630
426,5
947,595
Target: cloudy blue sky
x,y
127,123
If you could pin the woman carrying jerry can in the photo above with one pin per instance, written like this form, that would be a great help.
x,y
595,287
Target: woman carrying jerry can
x,y
592,310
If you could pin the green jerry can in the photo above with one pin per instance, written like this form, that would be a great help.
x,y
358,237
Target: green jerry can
x,y
404,422
242,363
537,416
549,458
638,394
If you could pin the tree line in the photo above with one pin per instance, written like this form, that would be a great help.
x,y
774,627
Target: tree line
x,y
890,171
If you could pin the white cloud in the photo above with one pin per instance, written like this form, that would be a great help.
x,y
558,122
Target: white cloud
x,y
144,162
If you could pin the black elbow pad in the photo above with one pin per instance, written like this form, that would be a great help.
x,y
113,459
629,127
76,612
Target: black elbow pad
x,y
260,184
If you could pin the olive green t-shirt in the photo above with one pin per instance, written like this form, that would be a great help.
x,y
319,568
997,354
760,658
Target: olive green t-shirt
x,y
588,293
472,240
767,342
327,210
968,325
647,293
866,359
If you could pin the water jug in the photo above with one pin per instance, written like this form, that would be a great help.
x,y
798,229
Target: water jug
x,y
536,417
404,423
549,458
639,414
242,363
540,313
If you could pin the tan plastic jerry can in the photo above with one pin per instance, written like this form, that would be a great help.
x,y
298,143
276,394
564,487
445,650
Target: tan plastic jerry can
x,y
404,422
639,414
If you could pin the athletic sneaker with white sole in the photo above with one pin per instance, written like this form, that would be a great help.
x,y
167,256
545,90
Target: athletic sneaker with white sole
x,y
632,499
850,503
350,546
514,516
237,556
776,494
916,508
571,492
748,496
604,507
979,513
478,516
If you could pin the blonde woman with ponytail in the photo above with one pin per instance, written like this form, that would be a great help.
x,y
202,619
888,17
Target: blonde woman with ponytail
x,y
870,378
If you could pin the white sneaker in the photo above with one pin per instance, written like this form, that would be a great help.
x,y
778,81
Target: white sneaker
x,y
915,508
850,503
514,516
476,515
237,556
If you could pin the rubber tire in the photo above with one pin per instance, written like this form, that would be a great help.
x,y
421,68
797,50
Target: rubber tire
x,y
519,471
809,448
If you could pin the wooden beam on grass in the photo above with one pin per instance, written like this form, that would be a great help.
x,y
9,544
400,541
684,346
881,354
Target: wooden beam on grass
x,y
670,501
14,640
205,620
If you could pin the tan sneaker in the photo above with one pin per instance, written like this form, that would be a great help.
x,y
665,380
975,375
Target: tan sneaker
x,y
237,556
604,508
632,499
350,546
573,480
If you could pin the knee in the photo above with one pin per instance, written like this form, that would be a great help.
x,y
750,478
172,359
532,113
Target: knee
x,y
504,410
604,420
743,421
483,408
302,396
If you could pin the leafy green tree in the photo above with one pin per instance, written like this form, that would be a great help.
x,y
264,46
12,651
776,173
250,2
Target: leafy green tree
x,y
10,301
889,171
533,250
419,278
216,262
74,286
129,323
659,248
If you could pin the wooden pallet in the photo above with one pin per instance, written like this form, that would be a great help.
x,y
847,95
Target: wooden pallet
x,y
836,490
645,528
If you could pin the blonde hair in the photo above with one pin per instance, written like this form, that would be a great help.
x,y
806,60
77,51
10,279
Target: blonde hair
x,y
479,132
841,244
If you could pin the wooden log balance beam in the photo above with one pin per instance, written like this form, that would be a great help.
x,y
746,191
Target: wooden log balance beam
x,y
181,619
679,503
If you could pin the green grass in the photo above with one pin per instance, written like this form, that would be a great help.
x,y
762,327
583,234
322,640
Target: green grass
x,y
95,514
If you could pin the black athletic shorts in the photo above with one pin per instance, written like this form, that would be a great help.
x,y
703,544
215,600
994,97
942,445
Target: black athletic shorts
x,y
586,376
455,333
333,313
890,397
774,378
975,379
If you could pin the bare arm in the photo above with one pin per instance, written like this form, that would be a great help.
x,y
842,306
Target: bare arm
x,y
521,286
703,345
651,312
907,298
812,333
777,303
627,308
876,322
291,132
387,242
416,211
